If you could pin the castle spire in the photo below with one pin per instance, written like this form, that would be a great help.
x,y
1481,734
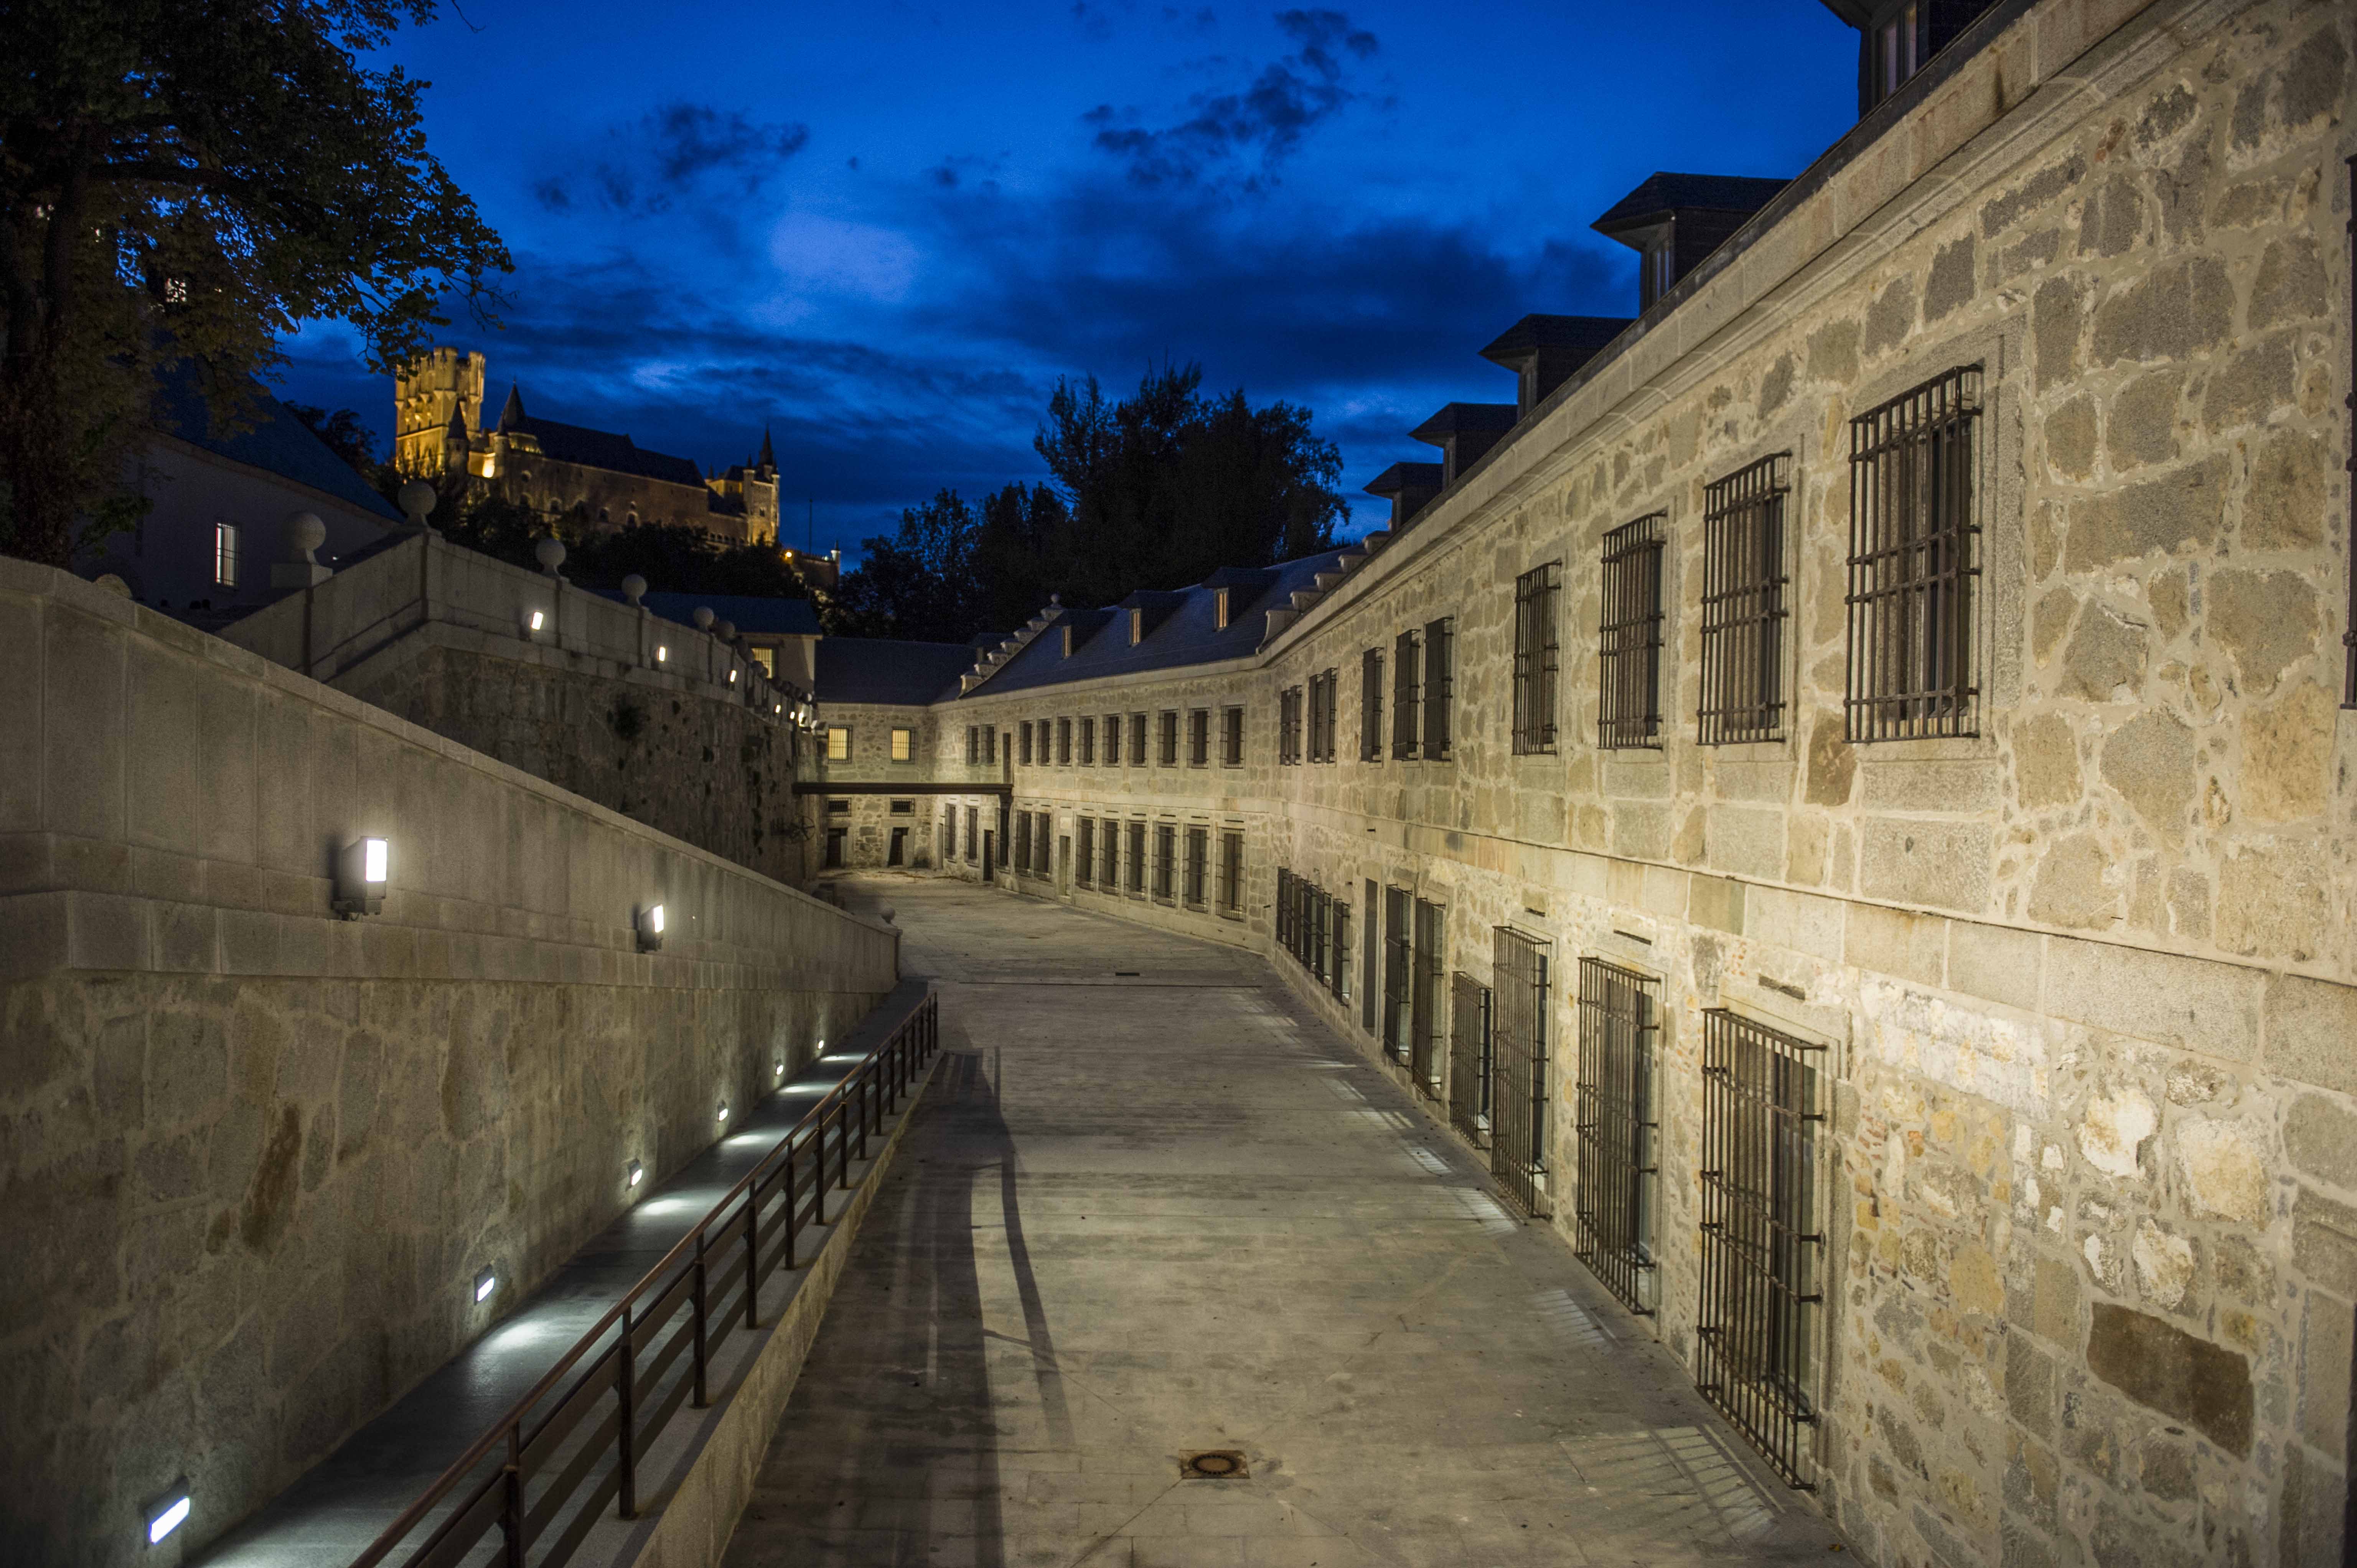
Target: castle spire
x,y
511,416
769,458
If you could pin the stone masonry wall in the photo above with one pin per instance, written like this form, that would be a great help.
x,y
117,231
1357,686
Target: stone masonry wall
x,y
2082,985
252,1156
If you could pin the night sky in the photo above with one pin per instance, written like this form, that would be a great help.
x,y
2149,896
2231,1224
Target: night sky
x,y
886,229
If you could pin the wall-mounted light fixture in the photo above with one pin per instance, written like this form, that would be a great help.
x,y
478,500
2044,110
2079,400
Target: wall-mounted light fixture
x,y
535,622
168,1512
732,677
361,873
779,1069
651,928
777,707
485,1283
661,653
724,1111
638,1173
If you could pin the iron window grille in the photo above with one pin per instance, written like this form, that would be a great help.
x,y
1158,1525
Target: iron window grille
x,y
1232,874
973,743
1112,740
1288,726
1137,740
1063,743
1166,851
1618,1130
1231,737
1109,862
1137,859
1469,1058
1439,686
1914,560
1743,611
2349,632
1337,977
1369,990
990,744
1199,737
1371,705
1084,837
1042,842
1023,755
1088,743
1022,840
838,805
903,746
1399,976
1169,752
949,834
1536,593
1518,1106
1284,910
1404,696
1762,1243
972,833
1429,1041
1629,712
1199,854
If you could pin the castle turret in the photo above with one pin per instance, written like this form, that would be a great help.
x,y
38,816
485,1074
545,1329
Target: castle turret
x,y
431,392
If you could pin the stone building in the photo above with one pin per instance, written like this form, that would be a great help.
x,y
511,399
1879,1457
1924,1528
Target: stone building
x,y
1844,796
556,468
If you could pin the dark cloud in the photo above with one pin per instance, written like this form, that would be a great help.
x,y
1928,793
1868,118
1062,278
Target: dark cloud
x,y
1259,123
678,148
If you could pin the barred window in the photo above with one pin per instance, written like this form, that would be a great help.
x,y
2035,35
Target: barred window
x,y
1137,858
1762,1242
1518,1102
1041,840
1743,613
904,745
1470,1059
1399,976
1913,557
990,744
2349,632
1440,685
1232,874
1629,644
1288,726
1231,737
1535,594
1084,841
972,833
1617,1129
1427,1021
1022,840
1137,740
1199,737
1199,854
949,834
973,743
1023,755
1371,705
838,744
1112,740
1166,851
1063,743
1325,705
1088,743
1404,696
1337,968
1170,728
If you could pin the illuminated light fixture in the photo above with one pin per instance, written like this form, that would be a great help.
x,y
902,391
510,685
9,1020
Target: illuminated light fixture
x,y
361,873
651,928
485,1283
661,653
777,707
778,1070
637,1174
538,620
724,1111
168,1514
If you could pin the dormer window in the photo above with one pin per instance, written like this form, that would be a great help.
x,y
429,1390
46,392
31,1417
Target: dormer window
x,y
1895,51
1068,642
1658,267
1137,627
1219,608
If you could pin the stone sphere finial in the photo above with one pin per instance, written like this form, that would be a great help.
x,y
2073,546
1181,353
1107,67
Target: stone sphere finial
x,y
634,587
549,553
887,912
303,533
1056,599
702,618
726,630
417,499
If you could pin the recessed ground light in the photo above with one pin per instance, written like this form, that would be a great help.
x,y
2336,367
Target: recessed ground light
x,y
1213,1464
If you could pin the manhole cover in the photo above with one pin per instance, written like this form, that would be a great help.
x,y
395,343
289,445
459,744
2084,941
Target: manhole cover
x,y
1214,1465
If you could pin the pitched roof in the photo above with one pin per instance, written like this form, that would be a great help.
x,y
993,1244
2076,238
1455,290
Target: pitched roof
x,y
760,613
885,669
1533,333
278,443
1467,418
1402,477
1663,193
604,449
1186,633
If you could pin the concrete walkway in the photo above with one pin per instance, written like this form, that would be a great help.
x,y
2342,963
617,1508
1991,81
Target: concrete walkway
x,y
1143,1216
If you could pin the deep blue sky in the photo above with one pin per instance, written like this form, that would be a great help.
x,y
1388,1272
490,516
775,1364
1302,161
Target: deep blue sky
x,y
887,229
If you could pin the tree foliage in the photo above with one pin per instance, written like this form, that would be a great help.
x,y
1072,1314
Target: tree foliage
x,y
1154,491
196,177
342,434
671,559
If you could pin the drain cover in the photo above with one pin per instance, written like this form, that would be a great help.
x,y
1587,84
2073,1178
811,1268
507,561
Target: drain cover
x,y
1125,974
1213,1464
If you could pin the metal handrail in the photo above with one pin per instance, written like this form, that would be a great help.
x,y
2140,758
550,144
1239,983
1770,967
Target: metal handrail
x,y
852,1110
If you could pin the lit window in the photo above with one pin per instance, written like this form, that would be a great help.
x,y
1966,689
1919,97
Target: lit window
x,y
225,554
904,745
767,658
838,744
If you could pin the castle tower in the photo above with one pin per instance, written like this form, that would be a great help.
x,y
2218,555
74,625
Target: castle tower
x,y
426,394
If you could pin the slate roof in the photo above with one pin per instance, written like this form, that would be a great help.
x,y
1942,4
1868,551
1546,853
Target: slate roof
x,y
1533,333
1665,193
1400,478
1466,419
885,670
278,443
605,449
1187,634
759,613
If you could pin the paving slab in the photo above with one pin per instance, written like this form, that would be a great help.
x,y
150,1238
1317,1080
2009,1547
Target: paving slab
x,y
1140,1217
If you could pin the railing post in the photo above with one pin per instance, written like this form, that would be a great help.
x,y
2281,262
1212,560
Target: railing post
x,y
790,1222
752,1256
625,1377
842,1142
818,1173
511,1506
702,1353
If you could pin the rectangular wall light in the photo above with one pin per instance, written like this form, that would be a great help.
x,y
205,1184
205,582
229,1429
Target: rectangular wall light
x,y
637,1174
361,872
651,928
485,1283
537,620
169,1514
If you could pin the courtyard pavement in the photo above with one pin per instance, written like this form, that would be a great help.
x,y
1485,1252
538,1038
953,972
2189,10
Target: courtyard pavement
x,y
1146,1213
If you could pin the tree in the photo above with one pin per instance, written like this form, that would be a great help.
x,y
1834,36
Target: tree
x,y
194,178
343,433
920,583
